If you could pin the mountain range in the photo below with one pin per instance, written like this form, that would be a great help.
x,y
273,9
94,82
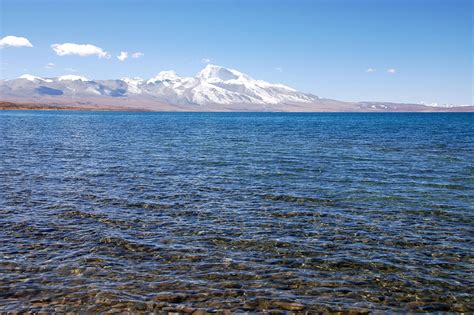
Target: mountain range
x,y
214,88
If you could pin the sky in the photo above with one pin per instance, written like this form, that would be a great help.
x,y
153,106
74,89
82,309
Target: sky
x,y
354,50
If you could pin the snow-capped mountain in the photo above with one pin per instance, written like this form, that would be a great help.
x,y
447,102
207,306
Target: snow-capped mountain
x,y
212,85
219,85
214,88
33,78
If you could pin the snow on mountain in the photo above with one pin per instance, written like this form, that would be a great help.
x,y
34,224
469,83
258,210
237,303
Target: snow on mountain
x,y
217,73
133,84
256,91
33,78
435,104
212,85
219,85
72,77
168,75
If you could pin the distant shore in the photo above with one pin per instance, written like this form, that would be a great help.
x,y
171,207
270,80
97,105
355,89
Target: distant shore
x,y
52,107
93,107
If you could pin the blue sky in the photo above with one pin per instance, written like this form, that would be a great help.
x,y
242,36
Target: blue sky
x,y
319,46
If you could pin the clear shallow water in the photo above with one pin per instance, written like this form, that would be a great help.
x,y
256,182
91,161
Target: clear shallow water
x,y
236,212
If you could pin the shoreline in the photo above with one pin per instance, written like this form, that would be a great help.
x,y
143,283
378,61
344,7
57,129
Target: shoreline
x,y
5,105
59,107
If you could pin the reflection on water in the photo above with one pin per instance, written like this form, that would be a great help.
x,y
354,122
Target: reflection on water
x,y
236,212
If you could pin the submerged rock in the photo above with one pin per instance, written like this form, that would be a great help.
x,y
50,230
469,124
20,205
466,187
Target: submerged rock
x,y
289,306
170,297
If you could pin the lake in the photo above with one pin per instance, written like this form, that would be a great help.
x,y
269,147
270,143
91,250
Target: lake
x,y
240,212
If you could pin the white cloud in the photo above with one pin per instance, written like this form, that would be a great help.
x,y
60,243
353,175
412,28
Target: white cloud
x,y
79,49
205,60
279,69
137,54
123,55
15,41
392,71
369,70
49,65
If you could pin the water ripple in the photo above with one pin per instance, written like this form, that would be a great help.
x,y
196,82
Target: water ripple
x,y
205,213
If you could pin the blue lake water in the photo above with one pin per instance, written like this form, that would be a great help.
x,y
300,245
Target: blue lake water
x,y
236,212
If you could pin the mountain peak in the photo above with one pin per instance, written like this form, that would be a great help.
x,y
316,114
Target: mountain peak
x,y
72,77
167,75
215,72
33,78
213,85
